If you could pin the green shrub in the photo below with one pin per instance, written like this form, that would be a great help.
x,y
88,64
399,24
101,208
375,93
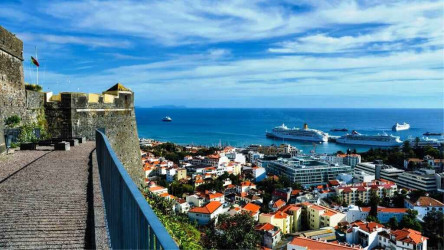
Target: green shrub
x,y
27,133
33,87
12,121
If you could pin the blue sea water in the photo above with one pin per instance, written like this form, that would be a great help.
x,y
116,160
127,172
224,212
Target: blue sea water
x,y
241,127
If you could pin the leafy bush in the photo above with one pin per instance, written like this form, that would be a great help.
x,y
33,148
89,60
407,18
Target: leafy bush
x,y
27,133
12,121
178,225
33,87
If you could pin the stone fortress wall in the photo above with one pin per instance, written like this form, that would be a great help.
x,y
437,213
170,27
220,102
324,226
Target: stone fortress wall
x,y
80,114
69,114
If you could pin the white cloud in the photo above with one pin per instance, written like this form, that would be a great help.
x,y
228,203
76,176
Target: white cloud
x,y
69,39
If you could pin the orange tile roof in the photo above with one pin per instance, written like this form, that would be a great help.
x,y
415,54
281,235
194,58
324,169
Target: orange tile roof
x,y
279,203
156,188
247,183
164,195
295,192
310,244
317,207
215,195
280,215
329,213
207,209
252,207
264,227
392,210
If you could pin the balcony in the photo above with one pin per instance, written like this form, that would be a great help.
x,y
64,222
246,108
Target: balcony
x,y
131,222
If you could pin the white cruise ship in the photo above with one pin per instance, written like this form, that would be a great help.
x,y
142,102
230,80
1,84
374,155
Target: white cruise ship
x,y
399,127
304,134
383,140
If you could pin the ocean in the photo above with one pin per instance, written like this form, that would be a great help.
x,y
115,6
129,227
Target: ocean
x,y
242,127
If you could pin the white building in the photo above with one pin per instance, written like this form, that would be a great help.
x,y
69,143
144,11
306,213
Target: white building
x,y
402,239
181,206
195,200
364,234
424,205
362,176
422,179
203,215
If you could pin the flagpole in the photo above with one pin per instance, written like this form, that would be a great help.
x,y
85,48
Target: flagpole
x,y
36,57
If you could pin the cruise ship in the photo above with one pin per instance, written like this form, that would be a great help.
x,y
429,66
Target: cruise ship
x,y
383,140
399,127
425,141
304,134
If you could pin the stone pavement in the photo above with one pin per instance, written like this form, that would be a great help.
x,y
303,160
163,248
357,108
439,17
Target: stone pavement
x,y
44,199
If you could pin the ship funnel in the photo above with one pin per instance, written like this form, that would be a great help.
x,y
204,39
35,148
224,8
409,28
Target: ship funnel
x,y
305,126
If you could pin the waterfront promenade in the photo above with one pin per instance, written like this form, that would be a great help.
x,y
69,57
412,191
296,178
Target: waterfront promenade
x,y
46,198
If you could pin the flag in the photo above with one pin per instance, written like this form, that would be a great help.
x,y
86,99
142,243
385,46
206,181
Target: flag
x,y
34,61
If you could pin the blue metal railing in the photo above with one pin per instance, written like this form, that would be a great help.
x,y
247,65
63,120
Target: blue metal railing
x,y
132,224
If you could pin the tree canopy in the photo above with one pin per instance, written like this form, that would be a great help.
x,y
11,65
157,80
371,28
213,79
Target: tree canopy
x,y
232,232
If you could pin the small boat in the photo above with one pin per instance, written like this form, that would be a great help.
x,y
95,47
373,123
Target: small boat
x,y
167,119
399,127
430,133
339,129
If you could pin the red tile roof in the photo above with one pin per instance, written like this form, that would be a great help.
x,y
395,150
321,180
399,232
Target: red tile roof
x,y
207,209
408,235
425,201
215,195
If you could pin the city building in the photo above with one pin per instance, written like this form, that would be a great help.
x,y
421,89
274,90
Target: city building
x,y
181,174
246,186
379,170
306,170
158,190
362,176
270,234
181,206
355,213
362,191
253,210
402,239
423,205
203,215
288,218
319,216
364,234
421,179
259,173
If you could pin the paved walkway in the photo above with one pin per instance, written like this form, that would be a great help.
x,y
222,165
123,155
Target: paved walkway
x,y
43,198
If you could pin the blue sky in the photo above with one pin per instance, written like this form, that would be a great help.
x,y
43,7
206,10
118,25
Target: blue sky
x,y
382,54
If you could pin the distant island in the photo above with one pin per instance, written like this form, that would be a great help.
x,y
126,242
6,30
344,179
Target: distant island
x,y
169,107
